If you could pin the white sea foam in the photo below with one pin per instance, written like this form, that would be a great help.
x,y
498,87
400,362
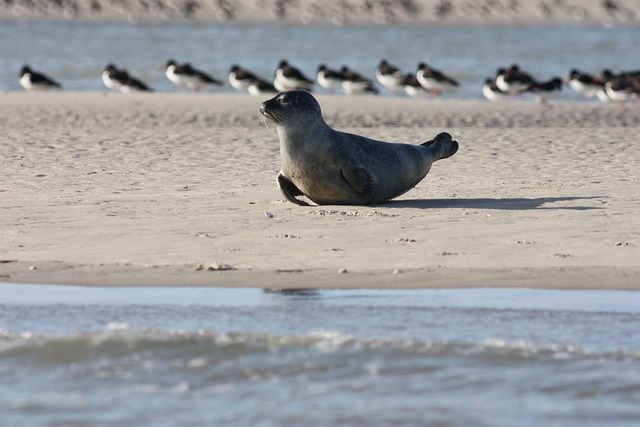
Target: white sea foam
x,y
465,357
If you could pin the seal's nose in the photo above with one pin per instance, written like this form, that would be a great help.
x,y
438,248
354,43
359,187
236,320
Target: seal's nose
x,y
262,107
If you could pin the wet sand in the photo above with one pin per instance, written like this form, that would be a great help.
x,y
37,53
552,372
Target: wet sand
x,y
179,190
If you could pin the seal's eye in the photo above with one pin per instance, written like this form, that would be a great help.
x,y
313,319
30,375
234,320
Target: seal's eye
x,y
284,99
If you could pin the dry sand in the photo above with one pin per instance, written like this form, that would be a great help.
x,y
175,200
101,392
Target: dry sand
x,y
179,189
344,12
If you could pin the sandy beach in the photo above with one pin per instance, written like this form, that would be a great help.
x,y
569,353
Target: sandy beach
x,y
346,12
179,189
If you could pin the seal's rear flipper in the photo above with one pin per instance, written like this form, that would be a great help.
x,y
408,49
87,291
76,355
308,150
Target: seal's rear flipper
x,y
443,143
290,191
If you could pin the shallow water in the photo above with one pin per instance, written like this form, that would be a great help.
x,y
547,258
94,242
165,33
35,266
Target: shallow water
x,y
172,356
76,54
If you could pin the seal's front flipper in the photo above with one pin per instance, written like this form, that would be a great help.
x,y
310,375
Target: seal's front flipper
x,y
359,179
290,191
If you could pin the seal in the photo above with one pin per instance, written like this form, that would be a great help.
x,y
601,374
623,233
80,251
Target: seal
x,y
332,167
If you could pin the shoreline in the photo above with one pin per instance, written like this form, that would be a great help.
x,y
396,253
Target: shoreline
x,y
179,190
181,276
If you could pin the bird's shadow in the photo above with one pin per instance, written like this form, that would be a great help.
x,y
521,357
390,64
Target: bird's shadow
x,y
513,204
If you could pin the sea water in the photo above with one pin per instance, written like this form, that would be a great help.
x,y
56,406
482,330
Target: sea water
x,y
73,356
76,53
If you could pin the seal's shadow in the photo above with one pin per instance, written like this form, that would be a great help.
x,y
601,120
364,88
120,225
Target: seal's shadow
x,y
514,204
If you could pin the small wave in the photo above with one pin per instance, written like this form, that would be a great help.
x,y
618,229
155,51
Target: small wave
x,y
119,341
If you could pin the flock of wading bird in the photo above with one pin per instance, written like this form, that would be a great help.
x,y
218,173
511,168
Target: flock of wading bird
x,y
508,83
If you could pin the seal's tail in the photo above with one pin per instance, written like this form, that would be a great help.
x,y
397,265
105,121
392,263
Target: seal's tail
x,y
444,144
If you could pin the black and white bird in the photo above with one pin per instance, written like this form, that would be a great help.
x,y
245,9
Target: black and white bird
x,y
133,84
389,76
329,79
583,83
434,80
602,80
492,92
33,80
412,86
544,91
354,83
186,77
119,80
513,80
112,78
621,87
261,87
246,81
290,78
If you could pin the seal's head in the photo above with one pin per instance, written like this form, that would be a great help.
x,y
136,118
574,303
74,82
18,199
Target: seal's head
x,y
292,105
